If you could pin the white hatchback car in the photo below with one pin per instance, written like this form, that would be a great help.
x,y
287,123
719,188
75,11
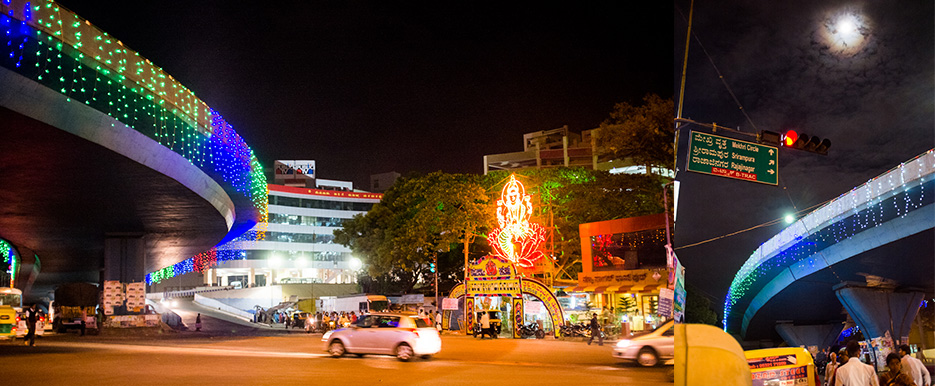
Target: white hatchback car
x,y
401,335
651,348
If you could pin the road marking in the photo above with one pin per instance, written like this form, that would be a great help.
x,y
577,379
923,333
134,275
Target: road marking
x,y
189,350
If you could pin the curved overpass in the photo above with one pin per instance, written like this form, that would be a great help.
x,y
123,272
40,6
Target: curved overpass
x,y
883,228
105,156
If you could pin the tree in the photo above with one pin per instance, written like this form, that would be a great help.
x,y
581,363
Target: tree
x,y
642,133
698,307
424,217
419,218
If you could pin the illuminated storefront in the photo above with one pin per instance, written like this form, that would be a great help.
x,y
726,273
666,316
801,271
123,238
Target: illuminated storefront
x,y
624,267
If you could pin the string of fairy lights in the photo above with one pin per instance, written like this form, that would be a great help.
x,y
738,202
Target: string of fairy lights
x,y
58,49
894,194
9,260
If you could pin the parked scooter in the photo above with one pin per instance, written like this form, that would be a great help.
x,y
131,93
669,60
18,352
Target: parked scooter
x,y
531,329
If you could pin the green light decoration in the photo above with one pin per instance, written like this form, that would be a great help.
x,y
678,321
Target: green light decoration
x,y
9,256
58,49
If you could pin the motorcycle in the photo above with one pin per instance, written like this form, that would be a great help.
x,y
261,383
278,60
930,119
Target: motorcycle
x,y
531,329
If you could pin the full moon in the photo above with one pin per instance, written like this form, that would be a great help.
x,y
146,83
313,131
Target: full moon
x,y
845,33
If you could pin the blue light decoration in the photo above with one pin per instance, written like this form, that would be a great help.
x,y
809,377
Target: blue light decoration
x,y
58,49
893,194
847,333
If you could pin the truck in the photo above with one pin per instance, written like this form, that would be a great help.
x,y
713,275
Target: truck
x,y
75,307
359,303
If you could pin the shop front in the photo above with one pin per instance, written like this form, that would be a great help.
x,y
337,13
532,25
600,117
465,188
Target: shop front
x,y
624,268
625,301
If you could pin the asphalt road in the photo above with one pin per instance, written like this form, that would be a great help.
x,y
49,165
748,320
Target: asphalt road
x,y
270,357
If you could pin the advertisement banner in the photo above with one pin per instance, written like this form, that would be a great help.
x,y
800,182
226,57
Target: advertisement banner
x,y
666,298
678,304
294,169
632,277
773,361
449,304
793,376
495,287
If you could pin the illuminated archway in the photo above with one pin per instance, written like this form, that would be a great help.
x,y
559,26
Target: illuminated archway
x,y
529,287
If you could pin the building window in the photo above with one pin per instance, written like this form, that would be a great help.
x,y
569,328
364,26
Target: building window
x,y
632,250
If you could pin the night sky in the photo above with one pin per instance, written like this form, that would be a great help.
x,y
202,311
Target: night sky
x,y
369,87
366,87
874,100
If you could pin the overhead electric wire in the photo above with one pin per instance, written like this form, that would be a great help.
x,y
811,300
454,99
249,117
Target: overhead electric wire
x,y
718,71
768,223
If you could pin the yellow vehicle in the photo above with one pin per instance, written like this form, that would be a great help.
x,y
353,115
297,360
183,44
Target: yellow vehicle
x,y
7,322
782,366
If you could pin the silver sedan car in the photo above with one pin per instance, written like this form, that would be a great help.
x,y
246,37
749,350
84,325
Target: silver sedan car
x,y
651,348
400,335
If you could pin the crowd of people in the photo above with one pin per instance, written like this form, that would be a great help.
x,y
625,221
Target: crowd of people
x,y
844,368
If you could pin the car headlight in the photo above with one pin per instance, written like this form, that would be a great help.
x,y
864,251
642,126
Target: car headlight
x,y
324,338
624,343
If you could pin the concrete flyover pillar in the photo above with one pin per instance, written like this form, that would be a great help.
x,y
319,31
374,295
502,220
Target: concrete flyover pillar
x,y
124,257
819,335
251,278
878,310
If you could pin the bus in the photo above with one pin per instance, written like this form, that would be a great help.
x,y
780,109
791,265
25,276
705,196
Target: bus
x,y
13,297
11,303
359,303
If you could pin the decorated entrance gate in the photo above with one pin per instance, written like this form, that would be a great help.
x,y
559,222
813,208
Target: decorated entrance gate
x,y
493,276
515,242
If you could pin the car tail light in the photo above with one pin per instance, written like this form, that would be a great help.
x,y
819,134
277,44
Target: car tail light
x,y
416,332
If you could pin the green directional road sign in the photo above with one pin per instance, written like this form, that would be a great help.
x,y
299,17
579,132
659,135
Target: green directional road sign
x,y
731,158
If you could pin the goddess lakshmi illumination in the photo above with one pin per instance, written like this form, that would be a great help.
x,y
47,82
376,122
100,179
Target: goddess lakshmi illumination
x,y
516,240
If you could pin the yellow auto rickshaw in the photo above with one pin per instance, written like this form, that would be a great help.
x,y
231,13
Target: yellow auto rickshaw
x,y
7,322
781,366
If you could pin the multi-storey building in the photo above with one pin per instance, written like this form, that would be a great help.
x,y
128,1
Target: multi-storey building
x,y
298,246
563,148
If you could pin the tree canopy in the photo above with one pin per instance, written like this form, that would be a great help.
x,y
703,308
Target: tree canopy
x,y
418,219
642,133
423,218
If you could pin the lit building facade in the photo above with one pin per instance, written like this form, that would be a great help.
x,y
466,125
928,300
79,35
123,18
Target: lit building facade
x,y
298,246
624,266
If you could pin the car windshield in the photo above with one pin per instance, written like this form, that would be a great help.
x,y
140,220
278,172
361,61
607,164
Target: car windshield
x,y
388,321
420,323
665,325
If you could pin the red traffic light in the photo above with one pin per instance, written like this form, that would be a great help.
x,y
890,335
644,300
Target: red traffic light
x,y
789,138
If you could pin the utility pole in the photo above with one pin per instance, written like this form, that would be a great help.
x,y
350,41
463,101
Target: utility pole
x,y
437,302
464,314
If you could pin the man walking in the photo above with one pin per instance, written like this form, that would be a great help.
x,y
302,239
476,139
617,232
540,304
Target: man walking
x,y
913,367
854,372
485,325
596,331
32,317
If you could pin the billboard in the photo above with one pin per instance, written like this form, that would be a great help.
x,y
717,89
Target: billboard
x,y
294,169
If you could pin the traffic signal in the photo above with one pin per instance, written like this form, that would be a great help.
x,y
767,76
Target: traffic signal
x,y
767,137
805,142
432,267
